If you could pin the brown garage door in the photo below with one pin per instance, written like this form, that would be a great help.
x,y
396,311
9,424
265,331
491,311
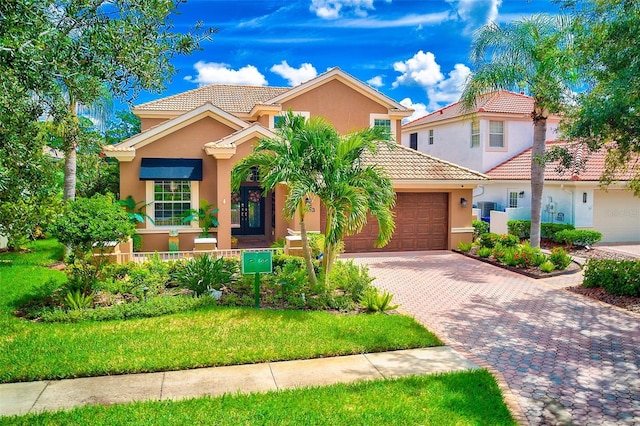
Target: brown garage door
x,y
421,224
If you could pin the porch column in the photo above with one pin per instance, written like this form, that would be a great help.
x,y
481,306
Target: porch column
x,y
224,203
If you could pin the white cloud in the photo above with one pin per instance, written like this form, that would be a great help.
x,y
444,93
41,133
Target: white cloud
x,y
420,109
333,9
295,76
376,81
423,70
476,13
448,90
216,73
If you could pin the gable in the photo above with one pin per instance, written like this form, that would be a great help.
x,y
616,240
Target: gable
x,y
345,108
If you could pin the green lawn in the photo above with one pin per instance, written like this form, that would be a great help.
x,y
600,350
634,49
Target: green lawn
x,y
223,336
470,398
207,337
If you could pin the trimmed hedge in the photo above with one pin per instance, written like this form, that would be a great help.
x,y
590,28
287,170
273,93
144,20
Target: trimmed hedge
x,y
522,228
479,227
578,237
619,277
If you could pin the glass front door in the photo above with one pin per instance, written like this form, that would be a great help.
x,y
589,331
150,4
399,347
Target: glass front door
x,y
247,211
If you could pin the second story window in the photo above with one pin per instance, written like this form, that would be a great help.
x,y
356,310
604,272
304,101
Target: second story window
x,y
475,134
430,136
413,141
496,134
383,123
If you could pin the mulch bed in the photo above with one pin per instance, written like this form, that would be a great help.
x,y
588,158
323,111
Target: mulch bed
x,y
629,303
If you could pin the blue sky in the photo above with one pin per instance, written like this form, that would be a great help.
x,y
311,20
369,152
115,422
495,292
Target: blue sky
x,y
414,51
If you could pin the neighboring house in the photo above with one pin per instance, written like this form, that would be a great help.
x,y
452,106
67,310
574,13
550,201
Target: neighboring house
x,y
570,196
496,129
190,142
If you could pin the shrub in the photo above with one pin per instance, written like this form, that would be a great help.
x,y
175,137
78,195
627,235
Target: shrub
x,y
578,237
464,247
354,280
500,252
489,239
619,277
152,307
77,300
206,272
479,227
547,266
377,302
508,240
522,228
559,258
484,252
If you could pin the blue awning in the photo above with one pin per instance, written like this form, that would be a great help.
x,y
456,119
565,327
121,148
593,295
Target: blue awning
x,y
171,169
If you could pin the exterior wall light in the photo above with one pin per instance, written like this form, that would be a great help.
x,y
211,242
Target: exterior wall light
x,y
463,202
584,197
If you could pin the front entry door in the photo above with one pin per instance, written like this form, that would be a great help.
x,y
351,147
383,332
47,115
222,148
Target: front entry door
x,y
247,211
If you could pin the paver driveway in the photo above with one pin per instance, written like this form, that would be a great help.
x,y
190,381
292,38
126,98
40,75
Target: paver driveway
x,y
566,359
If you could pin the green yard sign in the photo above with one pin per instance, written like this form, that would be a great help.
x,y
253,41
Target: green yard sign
x,y
257,262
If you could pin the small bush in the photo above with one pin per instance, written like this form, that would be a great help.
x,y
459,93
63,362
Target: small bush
x,y
547,267
153,307
354,280
508,240
484,252
377,302
479,227
619,277
522,228
204,272
489,239
578,237
464,247
76,300
559,258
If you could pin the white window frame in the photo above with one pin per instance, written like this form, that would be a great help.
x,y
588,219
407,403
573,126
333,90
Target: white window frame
x,y
475,132
512,199
504,137
272,118
392,124
431,137
150,210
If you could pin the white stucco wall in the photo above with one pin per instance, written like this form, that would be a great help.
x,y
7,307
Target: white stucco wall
x,y
452,141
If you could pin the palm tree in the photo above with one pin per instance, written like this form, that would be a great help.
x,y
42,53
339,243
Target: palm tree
x,y
533,54
351,190
285,159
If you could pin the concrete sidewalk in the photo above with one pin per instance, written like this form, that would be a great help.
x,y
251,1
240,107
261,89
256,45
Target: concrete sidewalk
x,y
34,397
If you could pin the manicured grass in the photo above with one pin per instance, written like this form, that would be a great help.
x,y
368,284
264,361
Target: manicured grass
x,y
469,398
207,337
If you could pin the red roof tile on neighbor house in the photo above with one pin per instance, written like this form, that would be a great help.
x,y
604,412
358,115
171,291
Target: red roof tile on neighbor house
x,y
501,101
587,166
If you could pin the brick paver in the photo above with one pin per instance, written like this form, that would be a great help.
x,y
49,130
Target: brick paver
x,y
566,359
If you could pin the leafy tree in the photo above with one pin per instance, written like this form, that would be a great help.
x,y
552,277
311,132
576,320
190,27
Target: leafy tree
x,y
76,52
92,223
607,34
533,54
287,159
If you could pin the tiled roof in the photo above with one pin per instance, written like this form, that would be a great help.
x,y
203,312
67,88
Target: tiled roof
x,y
495,102
234,99
588,166
406,164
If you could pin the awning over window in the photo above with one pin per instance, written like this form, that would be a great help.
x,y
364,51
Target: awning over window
x,y
171,169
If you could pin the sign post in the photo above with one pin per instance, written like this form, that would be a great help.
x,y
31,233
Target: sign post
x,y
257,262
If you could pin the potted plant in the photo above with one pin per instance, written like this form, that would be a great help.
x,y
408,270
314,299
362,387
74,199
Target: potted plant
x,y
137,214
234,242
206,215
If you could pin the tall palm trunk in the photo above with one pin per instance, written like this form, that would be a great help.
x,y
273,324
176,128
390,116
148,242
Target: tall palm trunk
x,y
537,174
306,251
71,157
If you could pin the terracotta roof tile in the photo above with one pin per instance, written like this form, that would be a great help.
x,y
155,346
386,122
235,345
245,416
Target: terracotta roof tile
x,y
588,166
495,102
403,163
234,99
